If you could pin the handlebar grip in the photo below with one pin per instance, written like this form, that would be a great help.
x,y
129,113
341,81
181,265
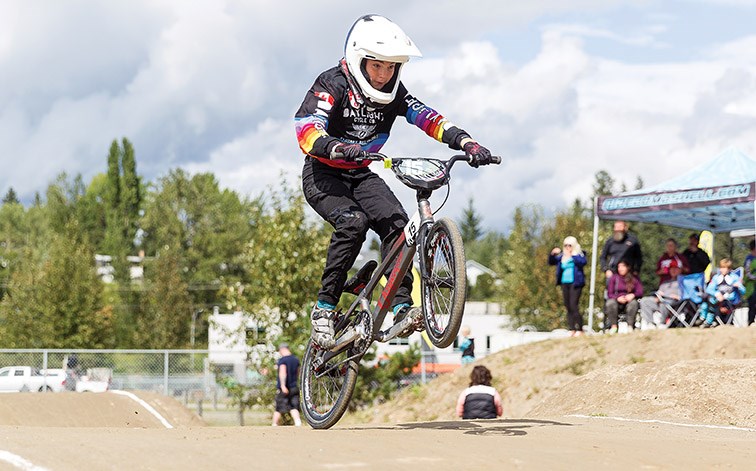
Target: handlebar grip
x,y
495,159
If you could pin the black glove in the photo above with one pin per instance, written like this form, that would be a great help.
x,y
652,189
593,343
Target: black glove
x,y
477,154
347,152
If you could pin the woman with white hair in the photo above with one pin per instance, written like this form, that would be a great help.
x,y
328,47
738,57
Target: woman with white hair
x,y
569,262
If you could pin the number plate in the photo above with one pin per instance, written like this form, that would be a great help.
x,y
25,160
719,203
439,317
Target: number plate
x,y
410,230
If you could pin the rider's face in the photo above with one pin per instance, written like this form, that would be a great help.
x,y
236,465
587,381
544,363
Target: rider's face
x,y
379,72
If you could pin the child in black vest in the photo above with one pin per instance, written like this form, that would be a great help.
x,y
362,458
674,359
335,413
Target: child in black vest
x,y
480,400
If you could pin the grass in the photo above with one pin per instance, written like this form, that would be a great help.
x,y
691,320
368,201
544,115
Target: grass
x,y
637,359
418,391
576,367
598,347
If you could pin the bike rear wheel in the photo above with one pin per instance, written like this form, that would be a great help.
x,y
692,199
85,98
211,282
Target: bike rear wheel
x,y
325,390
444,282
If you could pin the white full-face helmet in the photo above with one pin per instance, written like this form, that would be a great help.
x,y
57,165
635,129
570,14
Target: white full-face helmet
x,y
378,38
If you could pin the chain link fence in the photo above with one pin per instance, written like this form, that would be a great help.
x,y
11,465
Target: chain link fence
x,y
170,372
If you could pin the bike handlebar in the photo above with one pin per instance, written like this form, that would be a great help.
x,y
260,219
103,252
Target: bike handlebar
x,y
377,156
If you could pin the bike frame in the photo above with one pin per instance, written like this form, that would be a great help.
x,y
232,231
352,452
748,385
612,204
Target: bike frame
x,y
401,254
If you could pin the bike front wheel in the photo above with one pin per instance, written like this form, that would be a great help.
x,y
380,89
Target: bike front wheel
x,y
444,282
326,388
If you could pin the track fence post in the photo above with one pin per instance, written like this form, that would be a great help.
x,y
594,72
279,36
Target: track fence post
x,y
422,367
165,372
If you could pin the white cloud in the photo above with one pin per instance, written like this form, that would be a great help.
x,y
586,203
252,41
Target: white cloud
x,y
253,162
646,37
212,86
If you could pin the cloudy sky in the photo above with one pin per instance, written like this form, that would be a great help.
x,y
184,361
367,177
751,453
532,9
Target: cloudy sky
x,y
559,88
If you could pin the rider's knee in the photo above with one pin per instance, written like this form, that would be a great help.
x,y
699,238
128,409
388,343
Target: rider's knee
x,y
352,223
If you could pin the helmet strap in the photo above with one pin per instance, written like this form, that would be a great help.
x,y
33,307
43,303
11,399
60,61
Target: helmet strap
x,y
352,84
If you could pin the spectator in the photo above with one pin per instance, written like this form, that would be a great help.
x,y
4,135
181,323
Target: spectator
x,y
624,291
287,392
467,345
670,254
722,293
668,291
622,246
480,400
569,275
698,259
750,281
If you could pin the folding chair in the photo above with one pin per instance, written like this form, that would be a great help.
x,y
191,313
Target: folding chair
x,y
727,318
685,311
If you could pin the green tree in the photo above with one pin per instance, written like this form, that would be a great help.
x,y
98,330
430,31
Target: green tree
x,y
164,317
122,198
114,243
91,213
285,258
283,262
13,234
59,300
487,248
11,197
603,184
207,226
131,193
527,296
62,197
470,223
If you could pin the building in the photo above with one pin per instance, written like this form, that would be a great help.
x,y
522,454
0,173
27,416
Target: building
x,y
234,340
106,271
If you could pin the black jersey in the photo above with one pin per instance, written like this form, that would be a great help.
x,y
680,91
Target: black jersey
x,y
331,113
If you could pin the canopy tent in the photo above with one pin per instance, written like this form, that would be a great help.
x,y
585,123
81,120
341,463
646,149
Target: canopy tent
x,y
719,196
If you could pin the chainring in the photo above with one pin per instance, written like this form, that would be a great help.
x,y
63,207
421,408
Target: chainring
x,y
361,346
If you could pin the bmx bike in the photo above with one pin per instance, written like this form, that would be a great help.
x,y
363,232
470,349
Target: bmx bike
x,y
328,376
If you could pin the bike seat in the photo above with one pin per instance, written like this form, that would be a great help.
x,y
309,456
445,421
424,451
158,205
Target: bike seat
x,y
355,284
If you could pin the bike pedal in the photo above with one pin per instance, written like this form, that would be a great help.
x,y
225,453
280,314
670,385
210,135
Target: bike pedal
x,y
355,284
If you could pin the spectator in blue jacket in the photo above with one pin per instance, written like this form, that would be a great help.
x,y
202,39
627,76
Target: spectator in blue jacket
x,y
569,262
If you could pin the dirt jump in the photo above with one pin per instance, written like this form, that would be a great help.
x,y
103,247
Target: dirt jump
x,y
661,400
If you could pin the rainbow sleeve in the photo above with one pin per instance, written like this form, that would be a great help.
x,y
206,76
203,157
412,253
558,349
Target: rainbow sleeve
x,y
309,129
427,119
311,121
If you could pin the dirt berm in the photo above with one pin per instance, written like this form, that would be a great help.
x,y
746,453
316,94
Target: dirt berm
x,y
684,375
70,409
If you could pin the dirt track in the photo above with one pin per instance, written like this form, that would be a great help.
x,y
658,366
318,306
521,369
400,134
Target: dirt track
x,y
686,377
564,443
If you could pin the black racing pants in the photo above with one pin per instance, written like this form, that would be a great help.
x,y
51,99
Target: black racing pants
x,y
353,201
571,296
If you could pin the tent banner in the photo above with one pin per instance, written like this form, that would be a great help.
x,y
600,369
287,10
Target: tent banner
x,y
676,199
